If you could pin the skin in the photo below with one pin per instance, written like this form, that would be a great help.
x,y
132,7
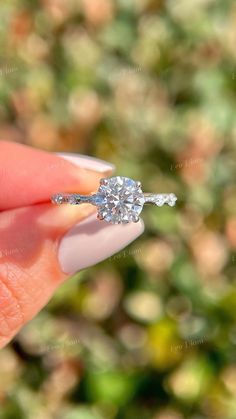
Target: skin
x,y
31,229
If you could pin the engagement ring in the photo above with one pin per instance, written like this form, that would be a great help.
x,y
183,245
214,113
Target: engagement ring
x,y
119,200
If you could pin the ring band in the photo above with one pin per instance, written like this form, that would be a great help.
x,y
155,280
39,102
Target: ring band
x,y
119,200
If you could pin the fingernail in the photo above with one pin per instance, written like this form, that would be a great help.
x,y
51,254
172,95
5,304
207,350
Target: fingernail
x,y
87,162
92,241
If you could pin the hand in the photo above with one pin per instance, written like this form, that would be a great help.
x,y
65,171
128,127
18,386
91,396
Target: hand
x,y
42,244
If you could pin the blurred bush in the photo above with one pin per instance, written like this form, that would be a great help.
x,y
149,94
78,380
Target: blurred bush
x,y
151,86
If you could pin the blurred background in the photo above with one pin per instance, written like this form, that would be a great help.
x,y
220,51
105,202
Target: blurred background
x,y
149,85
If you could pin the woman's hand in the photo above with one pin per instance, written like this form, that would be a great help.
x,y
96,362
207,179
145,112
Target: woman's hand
x,y
41,245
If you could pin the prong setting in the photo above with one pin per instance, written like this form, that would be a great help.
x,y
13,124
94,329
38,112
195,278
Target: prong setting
x,y
103,181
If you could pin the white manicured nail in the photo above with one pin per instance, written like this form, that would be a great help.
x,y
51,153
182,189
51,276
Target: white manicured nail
x,y
86,162
92,241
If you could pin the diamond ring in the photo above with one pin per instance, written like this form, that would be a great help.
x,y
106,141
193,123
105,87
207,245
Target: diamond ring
x,y
119,200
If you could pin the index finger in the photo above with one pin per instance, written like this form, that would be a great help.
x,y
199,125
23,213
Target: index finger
x,y
29,176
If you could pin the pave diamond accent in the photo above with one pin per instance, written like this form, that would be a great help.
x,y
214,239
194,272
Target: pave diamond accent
x,y
171,200
120,200
161,199
58,199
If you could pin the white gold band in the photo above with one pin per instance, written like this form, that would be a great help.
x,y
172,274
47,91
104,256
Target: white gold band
x,y
77,199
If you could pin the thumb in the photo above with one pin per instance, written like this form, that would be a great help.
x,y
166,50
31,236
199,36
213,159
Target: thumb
x,y
40,246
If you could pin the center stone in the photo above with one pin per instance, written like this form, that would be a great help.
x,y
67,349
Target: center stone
x,y
120,200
